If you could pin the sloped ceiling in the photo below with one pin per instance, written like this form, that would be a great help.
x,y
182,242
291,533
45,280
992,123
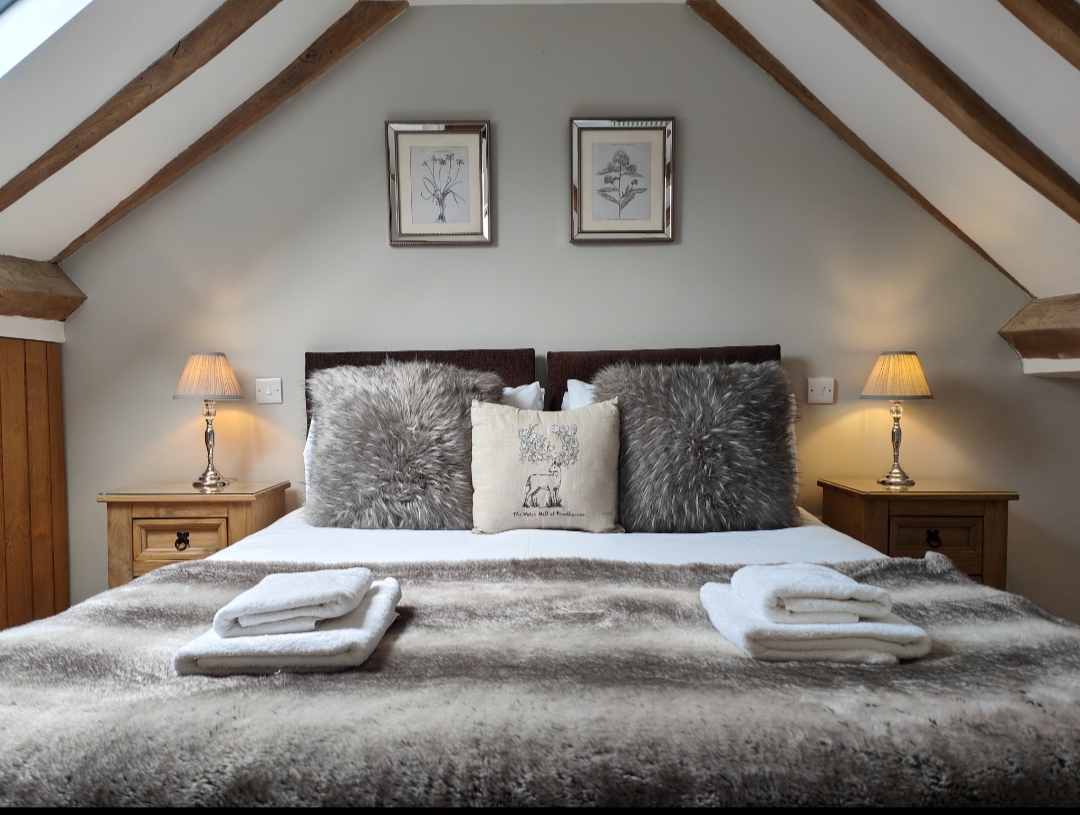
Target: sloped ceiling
x,y
1019,75
89,60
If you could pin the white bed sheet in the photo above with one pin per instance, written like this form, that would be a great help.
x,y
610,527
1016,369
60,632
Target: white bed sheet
x,y
293,539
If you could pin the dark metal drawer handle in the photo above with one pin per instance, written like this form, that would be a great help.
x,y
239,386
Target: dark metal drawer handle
x,y
933,539
181,541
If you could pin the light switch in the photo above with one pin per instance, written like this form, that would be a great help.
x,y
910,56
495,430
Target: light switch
x,y
820,390
268,391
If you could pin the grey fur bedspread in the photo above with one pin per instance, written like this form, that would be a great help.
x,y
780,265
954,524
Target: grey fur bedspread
x,y
543,682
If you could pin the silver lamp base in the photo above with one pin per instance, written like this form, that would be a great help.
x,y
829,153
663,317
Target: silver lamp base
x,y
211,481
896,477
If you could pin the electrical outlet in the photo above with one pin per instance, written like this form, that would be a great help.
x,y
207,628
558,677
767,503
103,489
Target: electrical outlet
x,y
268,391
820,390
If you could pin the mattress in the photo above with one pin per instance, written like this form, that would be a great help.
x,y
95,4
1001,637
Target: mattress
x,y
291,539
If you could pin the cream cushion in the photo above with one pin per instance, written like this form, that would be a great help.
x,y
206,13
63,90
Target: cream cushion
x,y
535,469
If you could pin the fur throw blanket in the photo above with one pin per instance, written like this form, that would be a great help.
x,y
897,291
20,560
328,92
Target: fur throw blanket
x,y
543,682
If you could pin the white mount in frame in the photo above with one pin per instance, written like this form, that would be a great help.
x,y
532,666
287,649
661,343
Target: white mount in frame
x,y
620,180
439,182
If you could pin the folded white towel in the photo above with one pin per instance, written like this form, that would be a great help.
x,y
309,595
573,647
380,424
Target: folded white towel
x,y
883,641
808,593
334,645
287,603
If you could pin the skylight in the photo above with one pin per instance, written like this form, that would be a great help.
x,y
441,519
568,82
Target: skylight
x,y
26,24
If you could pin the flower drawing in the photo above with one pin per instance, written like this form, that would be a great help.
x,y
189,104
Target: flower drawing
x,y
442,174
621,183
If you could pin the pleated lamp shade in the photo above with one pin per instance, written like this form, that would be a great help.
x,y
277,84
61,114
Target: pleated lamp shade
x,y
208,375
898,376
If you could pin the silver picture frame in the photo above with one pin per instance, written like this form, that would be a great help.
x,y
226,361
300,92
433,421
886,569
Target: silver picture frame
x,y
439,182
621,173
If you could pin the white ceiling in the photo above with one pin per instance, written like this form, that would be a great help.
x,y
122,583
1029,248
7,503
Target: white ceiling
x,y
1023,79
83,64
46,219
1028,82
27,24
111,41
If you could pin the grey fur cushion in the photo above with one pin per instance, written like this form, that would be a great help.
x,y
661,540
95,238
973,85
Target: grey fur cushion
x,y
703,448
392,446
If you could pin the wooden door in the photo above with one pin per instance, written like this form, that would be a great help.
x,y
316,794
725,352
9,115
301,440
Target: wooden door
x,y
33,483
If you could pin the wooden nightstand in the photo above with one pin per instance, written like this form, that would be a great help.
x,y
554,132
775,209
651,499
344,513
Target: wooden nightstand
x,y
152,525
968,524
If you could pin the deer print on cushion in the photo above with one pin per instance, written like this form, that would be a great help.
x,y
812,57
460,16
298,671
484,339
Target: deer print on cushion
x,y
547,483
542,489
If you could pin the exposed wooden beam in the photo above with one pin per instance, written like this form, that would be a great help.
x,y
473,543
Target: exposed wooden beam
x,y
36,288
355,27
914,63
1046,328
711,12
1056,22
231,19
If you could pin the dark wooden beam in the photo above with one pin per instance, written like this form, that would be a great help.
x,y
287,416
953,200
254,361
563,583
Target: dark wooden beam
x,y
1055,22
355,27
711,12
914,63
36,288
1046,328
231,19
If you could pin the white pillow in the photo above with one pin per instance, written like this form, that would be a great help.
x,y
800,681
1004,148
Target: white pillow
x,y
578,395
525,397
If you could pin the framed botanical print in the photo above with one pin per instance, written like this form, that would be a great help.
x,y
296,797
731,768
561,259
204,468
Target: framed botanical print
x,y
439,182
620,180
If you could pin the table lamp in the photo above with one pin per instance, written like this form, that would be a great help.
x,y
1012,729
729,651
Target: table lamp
x,y
897,376
207,376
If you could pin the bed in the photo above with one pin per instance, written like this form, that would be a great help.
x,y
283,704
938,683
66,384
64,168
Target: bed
x,y
543,667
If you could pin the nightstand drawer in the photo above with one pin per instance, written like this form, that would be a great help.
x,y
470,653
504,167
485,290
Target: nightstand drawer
x,y
151,525
960,538
158,541
966,523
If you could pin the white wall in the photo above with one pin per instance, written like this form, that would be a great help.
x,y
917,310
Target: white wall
x,y
277,245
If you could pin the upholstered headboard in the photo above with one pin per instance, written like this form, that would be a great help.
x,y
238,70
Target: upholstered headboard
x,y
516,366
583,365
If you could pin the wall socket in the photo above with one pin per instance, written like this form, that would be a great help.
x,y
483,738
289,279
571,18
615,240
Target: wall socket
x,y
820,390
268,391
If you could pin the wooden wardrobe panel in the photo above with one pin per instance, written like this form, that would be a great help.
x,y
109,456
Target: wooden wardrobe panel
x,y
3,539
33,487
39,464
58,479
16,487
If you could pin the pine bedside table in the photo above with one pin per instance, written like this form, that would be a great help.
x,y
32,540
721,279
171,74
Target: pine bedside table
x,y
968,524
155,524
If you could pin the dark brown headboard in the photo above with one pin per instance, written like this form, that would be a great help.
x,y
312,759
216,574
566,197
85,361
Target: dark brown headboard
x,y
516,366
583,365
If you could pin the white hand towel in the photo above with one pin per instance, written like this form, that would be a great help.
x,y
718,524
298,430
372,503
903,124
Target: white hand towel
x,y
808,593
287,603
883,641
344,642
